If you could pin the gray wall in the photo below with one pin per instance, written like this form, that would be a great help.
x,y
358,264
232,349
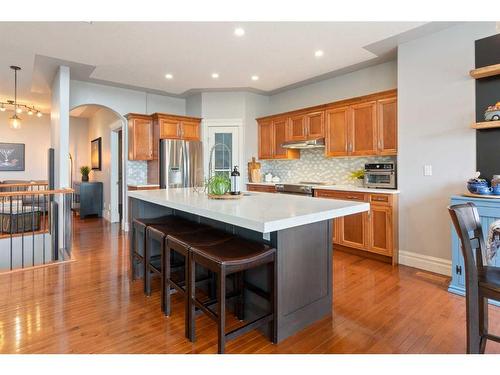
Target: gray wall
x,y
436,107
124,101
362,82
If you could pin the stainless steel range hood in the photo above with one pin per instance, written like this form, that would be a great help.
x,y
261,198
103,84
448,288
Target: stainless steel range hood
x,y
309,143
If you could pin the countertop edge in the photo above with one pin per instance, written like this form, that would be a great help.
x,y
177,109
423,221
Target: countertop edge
x,y
262,227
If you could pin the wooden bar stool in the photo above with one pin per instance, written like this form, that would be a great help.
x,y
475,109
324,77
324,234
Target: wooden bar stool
x,y
481,282
137,252
233,256
181,243
158,233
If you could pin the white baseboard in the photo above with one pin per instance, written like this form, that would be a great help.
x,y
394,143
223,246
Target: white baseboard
x,y
106,214
425,262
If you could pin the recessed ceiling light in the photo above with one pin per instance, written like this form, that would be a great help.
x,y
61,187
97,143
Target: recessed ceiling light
x,y
239,31
318,53
255,78
169,76
215,75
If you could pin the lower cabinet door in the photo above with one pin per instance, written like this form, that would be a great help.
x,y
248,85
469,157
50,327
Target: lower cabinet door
x,y
381,230
354,230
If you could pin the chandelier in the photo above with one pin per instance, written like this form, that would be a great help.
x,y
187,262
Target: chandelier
x,y
15,121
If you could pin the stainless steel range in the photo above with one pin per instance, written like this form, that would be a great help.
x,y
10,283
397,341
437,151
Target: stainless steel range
x,y
301,188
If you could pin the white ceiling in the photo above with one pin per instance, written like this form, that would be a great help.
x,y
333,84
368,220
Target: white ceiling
x,y
139,54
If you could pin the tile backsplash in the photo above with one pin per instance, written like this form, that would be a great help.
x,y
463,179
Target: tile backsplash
x,y
137,172
313,166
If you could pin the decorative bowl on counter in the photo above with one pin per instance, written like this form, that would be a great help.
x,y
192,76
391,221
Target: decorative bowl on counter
x,y
478,186
495,190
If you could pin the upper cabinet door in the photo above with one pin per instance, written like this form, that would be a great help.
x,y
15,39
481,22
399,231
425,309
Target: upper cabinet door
x,y
266,139
387,111
279,128
363,132
297,128
140,139
336,134
315,124
190,130
170,128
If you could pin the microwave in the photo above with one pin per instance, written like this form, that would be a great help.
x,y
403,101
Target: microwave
x,y
380,175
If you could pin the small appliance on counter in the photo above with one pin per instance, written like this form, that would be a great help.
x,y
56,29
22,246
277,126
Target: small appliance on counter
x,y
380,175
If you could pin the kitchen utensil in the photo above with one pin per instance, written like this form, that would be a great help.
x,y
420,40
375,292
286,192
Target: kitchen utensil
x,y
254,174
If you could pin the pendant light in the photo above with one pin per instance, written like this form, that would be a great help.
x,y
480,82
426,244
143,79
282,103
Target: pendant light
x,y
15,121
18,108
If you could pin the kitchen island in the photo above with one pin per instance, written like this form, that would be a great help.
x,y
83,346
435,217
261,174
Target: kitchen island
x,y
300,228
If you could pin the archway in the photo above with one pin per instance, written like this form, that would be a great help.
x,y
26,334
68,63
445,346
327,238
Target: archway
x,y
110,126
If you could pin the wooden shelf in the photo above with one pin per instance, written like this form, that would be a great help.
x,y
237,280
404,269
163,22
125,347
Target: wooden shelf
x,y
487,71
486,125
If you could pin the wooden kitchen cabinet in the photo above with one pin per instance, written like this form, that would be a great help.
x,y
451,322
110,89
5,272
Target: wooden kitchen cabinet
x,y
297,128
190,130
380,229
178,127
169,128
145,132
363,126
315,124
306,126
265,139
261,188
387,112
337,135
374,232
363,129
272,133
279,130
140,137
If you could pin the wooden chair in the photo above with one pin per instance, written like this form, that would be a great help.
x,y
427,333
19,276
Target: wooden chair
x,y
227,258
158,233
481,282
139,226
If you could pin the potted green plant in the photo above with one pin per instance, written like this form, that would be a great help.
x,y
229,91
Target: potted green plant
x,y
218,184
357,176
85,171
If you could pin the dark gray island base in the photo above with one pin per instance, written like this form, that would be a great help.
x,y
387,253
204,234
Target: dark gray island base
x,y
304,255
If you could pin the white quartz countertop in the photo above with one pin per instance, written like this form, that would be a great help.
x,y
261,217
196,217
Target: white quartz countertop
x,y
262,212
335,187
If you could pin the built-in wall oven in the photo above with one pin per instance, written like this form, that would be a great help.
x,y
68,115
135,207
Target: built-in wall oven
x,y
380,175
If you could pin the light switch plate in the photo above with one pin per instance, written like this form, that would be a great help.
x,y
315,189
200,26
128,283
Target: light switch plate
x,y
427,170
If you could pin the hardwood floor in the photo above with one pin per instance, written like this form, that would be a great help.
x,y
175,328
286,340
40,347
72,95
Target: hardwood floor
x,y
90,306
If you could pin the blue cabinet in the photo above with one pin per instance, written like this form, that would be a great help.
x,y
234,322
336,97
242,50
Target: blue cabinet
x,y
489,211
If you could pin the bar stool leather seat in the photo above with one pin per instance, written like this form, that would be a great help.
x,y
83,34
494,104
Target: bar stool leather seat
x,y
225,254
158,232
233,257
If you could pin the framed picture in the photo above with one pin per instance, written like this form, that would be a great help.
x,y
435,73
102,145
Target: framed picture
x,y
11,157
95,154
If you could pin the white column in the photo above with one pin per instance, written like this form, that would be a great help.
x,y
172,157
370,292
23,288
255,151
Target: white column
x,y
59,136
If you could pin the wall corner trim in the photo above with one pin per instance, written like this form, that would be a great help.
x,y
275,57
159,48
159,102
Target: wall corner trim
x,y
425,262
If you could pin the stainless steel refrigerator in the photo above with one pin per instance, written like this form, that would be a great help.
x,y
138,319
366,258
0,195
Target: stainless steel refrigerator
x,y
181,163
